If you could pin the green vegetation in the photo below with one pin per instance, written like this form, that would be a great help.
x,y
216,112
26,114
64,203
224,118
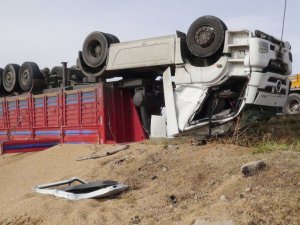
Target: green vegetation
x,y
280,145
280,133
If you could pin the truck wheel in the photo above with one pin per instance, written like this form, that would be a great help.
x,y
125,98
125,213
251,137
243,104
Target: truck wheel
x,y
29,71
57,71
112,38
206,36
56,76
292,105
10,77
95,49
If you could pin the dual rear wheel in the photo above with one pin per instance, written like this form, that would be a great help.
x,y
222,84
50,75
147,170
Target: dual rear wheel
x,y
23,78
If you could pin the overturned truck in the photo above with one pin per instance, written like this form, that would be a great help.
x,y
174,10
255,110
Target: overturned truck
x,y
167,85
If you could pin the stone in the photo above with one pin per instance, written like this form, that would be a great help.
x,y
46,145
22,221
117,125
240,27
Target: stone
x,y
154,177
173,199
248,189
164,168
172,147
252,168
219,222
136,220
223,198
201,142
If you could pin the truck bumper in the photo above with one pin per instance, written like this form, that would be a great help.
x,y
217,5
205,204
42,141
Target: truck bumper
x,y
267,89
267,99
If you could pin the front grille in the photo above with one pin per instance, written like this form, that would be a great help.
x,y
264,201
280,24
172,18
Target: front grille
x,y
274,80
271,90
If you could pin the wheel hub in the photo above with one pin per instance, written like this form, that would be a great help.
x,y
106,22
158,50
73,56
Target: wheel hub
x,y
9,78
95,49
294,106
25,77
204,36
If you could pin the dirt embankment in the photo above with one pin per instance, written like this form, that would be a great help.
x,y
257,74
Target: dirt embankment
x,y
169,184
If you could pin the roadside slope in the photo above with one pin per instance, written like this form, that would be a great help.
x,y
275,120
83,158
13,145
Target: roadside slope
x,y
169,184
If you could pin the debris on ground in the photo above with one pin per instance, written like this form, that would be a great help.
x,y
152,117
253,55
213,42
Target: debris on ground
x,y
112,152
120,161
83,190
253,168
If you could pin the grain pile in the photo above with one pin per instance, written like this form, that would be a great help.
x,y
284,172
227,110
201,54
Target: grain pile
x,y
173,183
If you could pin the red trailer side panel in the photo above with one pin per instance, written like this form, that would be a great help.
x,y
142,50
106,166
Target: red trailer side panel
x,y
95,115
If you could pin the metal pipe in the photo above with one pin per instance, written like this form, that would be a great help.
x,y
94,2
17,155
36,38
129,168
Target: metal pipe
x,y
66,80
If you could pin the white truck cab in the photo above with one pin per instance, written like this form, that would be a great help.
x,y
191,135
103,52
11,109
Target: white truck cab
x,y
209,75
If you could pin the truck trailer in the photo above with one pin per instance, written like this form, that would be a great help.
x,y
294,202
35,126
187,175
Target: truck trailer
x,y
198,82
292,105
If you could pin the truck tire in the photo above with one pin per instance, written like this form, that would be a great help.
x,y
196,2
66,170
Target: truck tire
x,y
95,49
28,73
10,77
292,105
57,71
56,76
112,38
206,36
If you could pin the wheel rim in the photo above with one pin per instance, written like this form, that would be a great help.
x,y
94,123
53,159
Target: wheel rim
x,y
25,77
204,36
95,49
9,79
294,106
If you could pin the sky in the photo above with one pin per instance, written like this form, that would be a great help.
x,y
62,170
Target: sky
x,y
50,32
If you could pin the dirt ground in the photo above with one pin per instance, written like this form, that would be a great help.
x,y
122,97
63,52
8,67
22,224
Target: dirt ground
x,y
173,183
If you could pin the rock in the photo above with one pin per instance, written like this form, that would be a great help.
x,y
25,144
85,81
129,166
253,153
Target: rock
x,y
298,184
164,168
173,199
201,142
154,177
223,198
251,168
242,195
172,147
248,189
220,222
136,220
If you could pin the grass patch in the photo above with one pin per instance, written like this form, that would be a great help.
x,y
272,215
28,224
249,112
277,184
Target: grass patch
x,y
270,146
